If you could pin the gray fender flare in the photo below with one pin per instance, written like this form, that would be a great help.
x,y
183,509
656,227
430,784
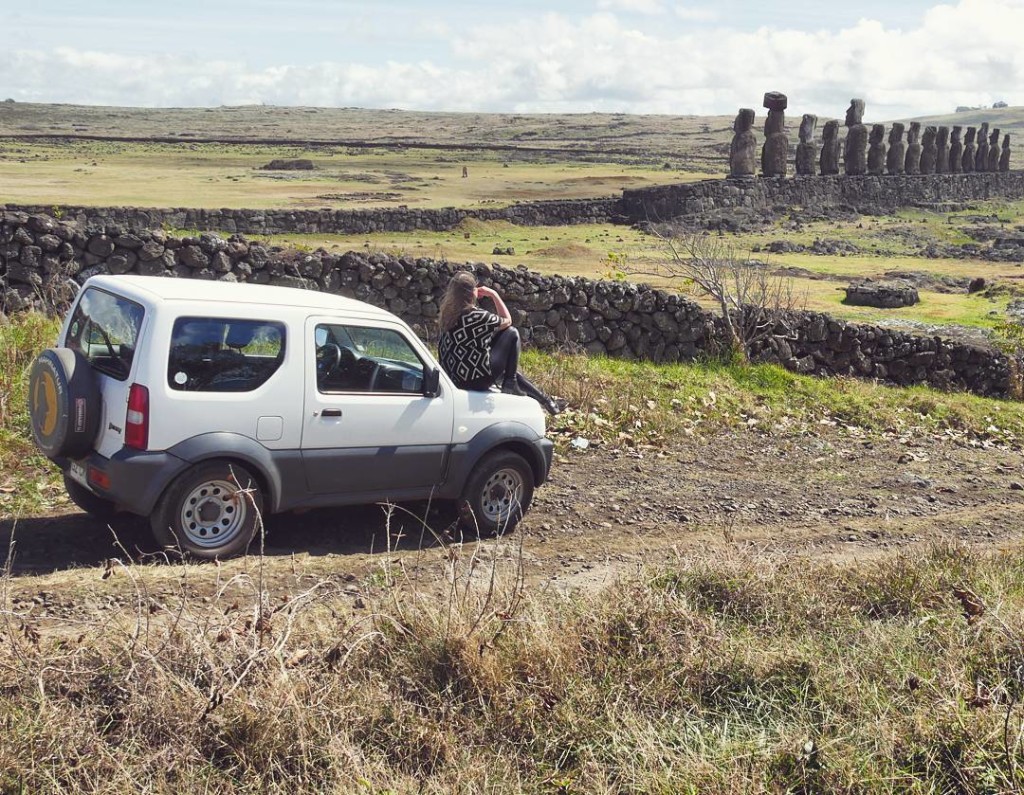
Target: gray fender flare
x,y
515,436
232,446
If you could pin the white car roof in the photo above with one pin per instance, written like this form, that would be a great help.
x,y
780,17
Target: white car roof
x,y
150,289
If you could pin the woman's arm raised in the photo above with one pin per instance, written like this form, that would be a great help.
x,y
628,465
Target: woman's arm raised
x,y
499,305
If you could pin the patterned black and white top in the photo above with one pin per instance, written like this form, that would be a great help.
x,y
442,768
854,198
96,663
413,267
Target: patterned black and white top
x,y
466,349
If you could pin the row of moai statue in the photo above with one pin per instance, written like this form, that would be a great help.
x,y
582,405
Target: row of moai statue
x,y
935,152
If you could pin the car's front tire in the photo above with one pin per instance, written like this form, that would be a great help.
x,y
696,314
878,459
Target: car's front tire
x,y
497,494
209,511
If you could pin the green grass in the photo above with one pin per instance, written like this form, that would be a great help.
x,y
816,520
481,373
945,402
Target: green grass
x,y
637,403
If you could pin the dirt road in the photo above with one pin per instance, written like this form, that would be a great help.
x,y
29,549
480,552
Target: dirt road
x,y
606,511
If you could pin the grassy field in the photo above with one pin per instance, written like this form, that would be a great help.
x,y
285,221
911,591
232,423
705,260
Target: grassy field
x,y
690,140
725,674
214,175
443,671
884,244
696,676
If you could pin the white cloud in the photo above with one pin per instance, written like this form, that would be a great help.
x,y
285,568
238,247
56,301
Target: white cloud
x,y
963,54
632,6
695,13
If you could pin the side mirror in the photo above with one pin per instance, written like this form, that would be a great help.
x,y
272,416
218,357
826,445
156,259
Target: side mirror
x,y
431,381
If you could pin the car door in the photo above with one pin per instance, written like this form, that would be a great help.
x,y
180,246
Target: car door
x,y
368,429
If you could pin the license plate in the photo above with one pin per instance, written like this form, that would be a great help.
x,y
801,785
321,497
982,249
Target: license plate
x,y
77,472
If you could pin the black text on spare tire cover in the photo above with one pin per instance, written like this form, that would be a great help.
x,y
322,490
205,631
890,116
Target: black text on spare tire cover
x,y
63,403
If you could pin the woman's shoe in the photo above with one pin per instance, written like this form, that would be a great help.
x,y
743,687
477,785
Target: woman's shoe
x,y
552,406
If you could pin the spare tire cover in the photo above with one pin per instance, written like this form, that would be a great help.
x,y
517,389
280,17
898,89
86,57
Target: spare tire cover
x,y
64,403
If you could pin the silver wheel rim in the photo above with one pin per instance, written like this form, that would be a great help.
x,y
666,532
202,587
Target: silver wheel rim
x,y
502,494
213,513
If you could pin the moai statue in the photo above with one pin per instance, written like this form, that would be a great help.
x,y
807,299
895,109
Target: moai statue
x,y
928,150
876,150
956,151
805,150
942,150
855,154
829,161
912,162
1004,157
993,151
743,151
775,152
897,150
970,151
981,156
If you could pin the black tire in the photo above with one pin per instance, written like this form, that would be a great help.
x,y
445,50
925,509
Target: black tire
x,y
94,505
209,511
497,494
64,403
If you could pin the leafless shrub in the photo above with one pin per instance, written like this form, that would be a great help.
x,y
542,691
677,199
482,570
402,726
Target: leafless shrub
x,y
753,301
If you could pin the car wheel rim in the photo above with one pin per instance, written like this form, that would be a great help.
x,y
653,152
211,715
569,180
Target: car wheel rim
x,y
502,494
213,513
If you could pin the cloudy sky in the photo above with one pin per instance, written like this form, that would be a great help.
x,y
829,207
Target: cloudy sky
x,y
905,57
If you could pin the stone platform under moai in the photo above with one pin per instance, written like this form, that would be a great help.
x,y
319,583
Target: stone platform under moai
x,y
870,194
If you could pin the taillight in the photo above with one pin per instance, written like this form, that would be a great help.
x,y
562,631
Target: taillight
x,y
136,426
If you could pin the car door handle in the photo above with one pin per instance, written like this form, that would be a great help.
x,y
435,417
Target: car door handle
x,y
332,412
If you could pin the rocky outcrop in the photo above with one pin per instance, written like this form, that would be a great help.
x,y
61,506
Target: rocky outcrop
x,y
889,294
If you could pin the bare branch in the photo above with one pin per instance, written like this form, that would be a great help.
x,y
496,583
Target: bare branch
x,y
753,301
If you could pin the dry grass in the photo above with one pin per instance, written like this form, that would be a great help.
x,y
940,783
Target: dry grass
x,y
736,675
26,481
106,173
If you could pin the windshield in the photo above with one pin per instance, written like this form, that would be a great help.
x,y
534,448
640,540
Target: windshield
x,y
105,329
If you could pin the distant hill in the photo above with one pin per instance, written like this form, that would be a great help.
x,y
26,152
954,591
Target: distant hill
x,y
694,143
699,140
1007,120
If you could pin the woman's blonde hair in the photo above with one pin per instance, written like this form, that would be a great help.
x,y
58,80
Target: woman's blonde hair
x,y
460,296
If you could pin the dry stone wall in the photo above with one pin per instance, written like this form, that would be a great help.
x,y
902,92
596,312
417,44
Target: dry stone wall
x,y
868,194
38,254
326,221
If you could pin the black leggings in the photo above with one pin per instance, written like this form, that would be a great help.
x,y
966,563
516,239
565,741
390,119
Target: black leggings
x,y
505,347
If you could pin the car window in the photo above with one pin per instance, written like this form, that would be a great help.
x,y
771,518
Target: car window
x,y
210,354
105,329
366,359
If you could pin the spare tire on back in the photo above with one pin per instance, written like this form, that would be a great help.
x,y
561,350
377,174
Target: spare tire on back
x,y
64,403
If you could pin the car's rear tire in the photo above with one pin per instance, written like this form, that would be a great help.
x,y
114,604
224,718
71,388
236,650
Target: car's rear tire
x,y
497,495
92,504
210,511
64,403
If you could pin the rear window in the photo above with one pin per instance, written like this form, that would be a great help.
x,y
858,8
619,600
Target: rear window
x,y
105,329
210,354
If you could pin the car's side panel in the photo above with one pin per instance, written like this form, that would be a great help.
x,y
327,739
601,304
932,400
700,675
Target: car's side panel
x,y
359,442
177,415
373,469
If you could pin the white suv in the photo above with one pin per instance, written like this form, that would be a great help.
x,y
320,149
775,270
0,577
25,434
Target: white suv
x,y
201,404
